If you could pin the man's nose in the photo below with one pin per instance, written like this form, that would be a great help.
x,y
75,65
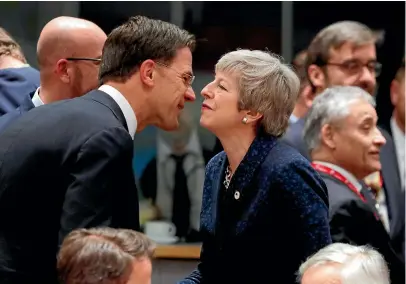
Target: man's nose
x,y
379,138
190,95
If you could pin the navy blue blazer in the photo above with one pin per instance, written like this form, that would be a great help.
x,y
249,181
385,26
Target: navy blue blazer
x,y
11,116
15,85
280,218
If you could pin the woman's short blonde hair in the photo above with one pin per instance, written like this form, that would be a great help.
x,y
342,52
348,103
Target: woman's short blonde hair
x,y
266,85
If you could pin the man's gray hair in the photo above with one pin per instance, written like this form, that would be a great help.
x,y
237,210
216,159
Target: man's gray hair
x,y
332,105
266,85
358,264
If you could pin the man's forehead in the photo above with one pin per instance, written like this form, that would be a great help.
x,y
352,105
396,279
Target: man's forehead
x,y
183,59
323,274
349,50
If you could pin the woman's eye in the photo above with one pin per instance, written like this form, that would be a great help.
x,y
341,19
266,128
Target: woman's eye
x,y
221,87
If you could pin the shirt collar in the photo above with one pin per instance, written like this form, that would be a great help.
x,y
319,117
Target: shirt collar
x,y
36,99
125,107
350,177
293,118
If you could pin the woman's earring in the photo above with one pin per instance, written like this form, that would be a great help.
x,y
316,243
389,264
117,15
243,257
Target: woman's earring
x,y
245,120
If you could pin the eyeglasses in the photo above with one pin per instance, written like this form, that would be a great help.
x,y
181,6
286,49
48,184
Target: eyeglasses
x,y
355,67
188,79
98,60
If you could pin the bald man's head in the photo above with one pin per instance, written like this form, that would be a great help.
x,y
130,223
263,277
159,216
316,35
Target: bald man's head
x,y
65,37
65,50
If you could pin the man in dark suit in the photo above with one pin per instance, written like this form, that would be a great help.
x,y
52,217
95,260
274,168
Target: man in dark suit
x,y
341,134
17,78
397,122
66,72
68,164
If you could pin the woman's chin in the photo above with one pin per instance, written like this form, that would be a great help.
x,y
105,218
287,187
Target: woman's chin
x,y
206,123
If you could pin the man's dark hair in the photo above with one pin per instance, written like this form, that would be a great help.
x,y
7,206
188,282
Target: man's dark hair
x,y
137,40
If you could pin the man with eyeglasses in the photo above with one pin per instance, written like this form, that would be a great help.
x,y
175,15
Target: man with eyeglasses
x,y
68,164
68,51
344,53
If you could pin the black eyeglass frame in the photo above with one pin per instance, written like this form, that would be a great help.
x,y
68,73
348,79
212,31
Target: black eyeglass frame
x,y
83,58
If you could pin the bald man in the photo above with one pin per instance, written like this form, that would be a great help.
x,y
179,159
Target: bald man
x,y
69,51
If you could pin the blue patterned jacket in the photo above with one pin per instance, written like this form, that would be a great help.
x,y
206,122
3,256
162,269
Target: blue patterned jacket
x,y
261,234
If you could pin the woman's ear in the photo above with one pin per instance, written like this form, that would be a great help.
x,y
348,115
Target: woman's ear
x,y
252,116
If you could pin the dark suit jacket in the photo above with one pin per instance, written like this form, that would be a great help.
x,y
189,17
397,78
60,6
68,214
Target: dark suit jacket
x,y
63,166
353,221
25,105
390,175
15,85
280,218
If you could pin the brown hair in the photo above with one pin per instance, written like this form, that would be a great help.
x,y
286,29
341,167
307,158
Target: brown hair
x,y
101,255
137,40
9,47
334,36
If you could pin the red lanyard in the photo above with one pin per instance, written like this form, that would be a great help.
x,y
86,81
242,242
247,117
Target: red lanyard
x,y
340,177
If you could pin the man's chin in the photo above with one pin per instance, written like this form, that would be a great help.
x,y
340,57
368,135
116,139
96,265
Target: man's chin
x,y
169,125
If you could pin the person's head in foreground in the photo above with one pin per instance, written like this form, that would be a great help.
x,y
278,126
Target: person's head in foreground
x,y
343,54
252,91
344,264
341,128
150,62
105,256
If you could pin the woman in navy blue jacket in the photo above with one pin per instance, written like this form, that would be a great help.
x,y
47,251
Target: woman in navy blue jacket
x,y
265,210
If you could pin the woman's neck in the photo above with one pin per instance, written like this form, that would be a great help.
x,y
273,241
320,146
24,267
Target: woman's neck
x,y
236,146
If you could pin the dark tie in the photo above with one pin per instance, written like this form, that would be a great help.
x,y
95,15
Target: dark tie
x,y
181,201
370,199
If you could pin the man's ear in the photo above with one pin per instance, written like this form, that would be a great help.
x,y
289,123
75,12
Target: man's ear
x,y
394,92
327,136
148,72
63,71
316,76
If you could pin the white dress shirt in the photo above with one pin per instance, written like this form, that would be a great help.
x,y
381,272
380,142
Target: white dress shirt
x,y
125,107
194,167
36,99
381,200
399,140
